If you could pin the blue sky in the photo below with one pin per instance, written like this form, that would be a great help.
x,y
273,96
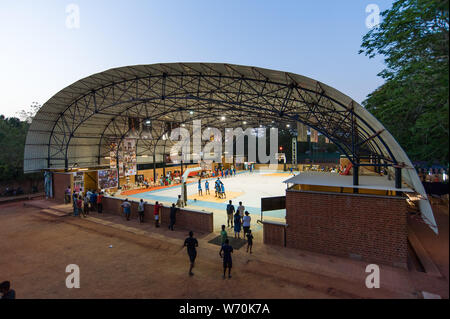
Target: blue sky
x,y
320,39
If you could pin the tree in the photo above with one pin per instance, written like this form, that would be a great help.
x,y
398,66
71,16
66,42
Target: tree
x,y
413,102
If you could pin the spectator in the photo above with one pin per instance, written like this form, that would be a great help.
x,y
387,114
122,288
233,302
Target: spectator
x,y
85,206
237,225
223,235
93,200
100,203
79,205
241,210
156,211
180,202
191,243
67,194
246,223
230,213
173,216
6,291
249,240
126,208
227,260
141,210
75,206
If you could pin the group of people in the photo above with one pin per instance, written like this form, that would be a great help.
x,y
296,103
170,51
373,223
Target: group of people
x,y
225,252
126,205
84,203
219,188
239,219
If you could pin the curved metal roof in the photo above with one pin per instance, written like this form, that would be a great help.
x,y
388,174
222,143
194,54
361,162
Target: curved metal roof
x,y
75,124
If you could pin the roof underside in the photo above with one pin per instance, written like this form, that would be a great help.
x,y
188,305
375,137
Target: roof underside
x,y
76,124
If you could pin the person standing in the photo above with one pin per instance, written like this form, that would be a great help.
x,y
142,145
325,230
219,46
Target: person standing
x,y
191,243
227,250
74,202
222,190
93,199
156,211
249,240
173,216
180,202
241,210
67,194
85,206
126,208
79,205
200,192
237,225
207,188
223,235
6,291
230,213
100,203
141,209
246,223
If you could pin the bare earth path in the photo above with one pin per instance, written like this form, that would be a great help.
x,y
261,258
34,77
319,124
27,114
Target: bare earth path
x,y
35,249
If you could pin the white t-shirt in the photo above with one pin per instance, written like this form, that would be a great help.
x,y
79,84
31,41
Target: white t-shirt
x,y
246,220
241,210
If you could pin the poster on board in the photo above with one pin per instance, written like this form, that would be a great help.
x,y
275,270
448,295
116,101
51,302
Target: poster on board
x,y
107,178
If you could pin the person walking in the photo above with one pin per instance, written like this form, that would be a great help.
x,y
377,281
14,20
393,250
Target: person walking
x,y
237,225
126,208
246,223
223,235
227,250
249,240
156,211
230,213
100,203
141,209
191,243
173,216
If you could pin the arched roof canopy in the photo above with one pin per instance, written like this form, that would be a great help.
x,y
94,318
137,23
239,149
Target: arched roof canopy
x,y
74,126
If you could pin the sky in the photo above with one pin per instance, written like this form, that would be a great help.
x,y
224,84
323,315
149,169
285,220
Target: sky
x,y
43,49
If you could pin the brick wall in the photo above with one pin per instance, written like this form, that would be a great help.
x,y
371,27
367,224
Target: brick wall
x,y
274,233
186,219
60,183
367,227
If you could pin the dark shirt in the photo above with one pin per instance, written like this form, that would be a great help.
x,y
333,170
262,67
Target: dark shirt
x,y
227,250
250,238
11,294
191,243
230,209
173,212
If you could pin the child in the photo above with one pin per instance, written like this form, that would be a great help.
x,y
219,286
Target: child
x,y
249,240
223,235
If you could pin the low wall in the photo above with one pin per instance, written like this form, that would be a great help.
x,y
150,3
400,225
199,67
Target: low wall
x,y
186,219
366,227
274,233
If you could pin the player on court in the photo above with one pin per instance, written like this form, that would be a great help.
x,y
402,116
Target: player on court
x,y
207,188
200,192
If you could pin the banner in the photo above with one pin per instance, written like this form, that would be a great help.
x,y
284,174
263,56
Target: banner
x,y
302,132
129,156
107,178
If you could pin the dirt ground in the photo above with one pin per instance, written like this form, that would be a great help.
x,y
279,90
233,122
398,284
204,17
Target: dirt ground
x,y
35,249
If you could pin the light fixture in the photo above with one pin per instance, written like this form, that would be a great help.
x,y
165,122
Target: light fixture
x,y
191,112
244,122
223,118
288,125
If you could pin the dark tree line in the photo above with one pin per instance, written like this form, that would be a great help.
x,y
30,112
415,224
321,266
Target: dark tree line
x,y
413,102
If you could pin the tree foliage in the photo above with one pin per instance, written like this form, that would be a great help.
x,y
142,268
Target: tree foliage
x,y
413,102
